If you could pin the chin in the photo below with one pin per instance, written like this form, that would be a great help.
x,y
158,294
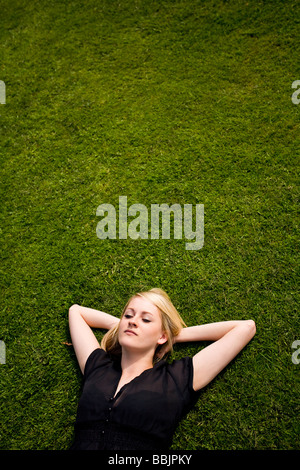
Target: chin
x,y
126,340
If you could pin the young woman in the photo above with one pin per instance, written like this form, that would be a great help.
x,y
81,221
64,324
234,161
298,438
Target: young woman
x,y
131,399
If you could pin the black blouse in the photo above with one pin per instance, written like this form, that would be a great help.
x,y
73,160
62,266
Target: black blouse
x,y
144,413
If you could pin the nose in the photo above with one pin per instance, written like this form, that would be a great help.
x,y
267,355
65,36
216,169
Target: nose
x,y
132,323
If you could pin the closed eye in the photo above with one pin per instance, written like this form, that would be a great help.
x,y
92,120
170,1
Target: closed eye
x,y
130,315
127,315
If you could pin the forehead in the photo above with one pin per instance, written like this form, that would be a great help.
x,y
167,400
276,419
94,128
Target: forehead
x,y
139,304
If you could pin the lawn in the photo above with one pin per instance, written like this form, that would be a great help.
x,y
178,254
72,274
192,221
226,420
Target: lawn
x,y
170,101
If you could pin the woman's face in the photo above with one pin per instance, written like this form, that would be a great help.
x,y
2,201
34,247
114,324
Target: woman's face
x,y
140,327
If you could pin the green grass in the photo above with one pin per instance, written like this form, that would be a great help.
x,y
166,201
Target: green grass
x,y
162,101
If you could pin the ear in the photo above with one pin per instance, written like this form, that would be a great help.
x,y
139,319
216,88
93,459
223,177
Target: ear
x,y
163,339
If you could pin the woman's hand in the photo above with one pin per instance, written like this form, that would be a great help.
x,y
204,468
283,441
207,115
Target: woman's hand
x,y
229,338
81,322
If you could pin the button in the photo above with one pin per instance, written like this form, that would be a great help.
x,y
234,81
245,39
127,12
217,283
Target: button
x,y
109,409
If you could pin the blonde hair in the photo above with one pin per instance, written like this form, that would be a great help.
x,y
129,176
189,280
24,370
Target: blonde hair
x,y
171,320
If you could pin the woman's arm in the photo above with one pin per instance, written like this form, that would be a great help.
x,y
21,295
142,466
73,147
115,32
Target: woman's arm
x,y
229,337
81,322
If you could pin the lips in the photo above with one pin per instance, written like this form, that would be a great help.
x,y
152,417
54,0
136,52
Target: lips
x,y
130,332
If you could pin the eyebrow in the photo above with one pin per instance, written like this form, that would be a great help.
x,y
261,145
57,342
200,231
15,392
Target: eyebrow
x,y
143,312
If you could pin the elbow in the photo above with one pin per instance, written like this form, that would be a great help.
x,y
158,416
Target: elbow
x,y
74,308
251,327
